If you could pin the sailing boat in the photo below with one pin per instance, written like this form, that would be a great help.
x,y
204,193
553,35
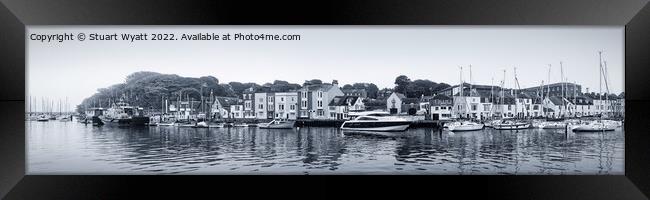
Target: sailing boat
x,y
511,124
598,125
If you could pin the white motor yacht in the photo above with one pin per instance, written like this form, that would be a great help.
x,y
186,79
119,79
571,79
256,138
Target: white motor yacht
x,y
376,121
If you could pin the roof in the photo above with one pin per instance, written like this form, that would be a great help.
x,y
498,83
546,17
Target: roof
x,y
228,101
323,87
567,84
400,95
410,100
426,98
354,90
441,97
441,100
556,100
343,100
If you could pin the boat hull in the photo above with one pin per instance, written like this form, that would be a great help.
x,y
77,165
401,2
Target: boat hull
x,y
134,121
591,129
466,128
376,126
511,126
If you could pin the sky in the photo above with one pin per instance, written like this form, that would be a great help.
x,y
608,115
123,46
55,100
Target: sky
x,y
349,54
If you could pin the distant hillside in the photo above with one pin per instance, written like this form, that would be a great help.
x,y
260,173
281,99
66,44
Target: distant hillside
x,y
146,89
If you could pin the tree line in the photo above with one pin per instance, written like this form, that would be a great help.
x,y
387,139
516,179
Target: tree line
x,y
148,89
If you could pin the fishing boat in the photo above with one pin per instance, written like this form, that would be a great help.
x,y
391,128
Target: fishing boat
x,y
511,125
376,121
122,114
278,124
464,126
593,126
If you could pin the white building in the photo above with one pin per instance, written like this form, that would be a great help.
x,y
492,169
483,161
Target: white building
x,y
341,106
286,105
314,98
441,107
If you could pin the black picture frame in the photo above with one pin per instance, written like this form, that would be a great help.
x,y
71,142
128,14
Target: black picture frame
x,y
15,15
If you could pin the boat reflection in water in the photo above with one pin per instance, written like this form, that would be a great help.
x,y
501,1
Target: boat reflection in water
x,y
75,148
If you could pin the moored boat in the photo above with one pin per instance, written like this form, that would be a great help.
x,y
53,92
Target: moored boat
x,y
122,114
593,126
42,118
464,126
510,125
376,121
553,125
278,124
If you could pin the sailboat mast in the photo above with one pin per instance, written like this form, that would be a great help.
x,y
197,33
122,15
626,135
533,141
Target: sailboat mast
x,y
600,77
515,93
470,80
548,87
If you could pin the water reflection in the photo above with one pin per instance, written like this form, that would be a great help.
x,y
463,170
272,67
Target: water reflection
x,y
73,148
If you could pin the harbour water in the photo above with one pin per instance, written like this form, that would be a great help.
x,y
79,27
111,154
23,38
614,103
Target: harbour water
x,y
73,148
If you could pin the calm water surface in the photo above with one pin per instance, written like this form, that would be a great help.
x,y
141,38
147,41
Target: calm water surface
x,y
73,148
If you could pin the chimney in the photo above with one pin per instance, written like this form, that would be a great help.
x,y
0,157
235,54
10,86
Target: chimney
x,y
587,90
335,83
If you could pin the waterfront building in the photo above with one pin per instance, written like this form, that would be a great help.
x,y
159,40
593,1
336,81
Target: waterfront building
x,y
556,89
236,110
424,104
286,105
264,105
248,96
397,104
314,98
582,106
441,107
221,107
341,106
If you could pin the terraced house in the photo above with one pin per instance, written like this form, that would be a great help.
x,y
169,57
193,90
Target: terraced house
x,y
314,99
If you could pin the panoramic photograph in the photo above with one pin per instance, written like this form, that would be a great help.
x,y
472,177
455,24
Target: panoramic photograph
x,y
418,100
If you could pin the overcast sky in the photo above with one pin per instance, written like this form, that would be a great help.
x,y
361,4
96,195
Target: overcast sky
x,y
348,54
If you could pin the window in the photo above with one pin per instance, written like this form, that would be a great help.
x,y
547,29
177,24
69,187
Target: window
x,y
509,107
281,99
320,94
320,103
436,107
320,113
473,107
292,107
261,106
